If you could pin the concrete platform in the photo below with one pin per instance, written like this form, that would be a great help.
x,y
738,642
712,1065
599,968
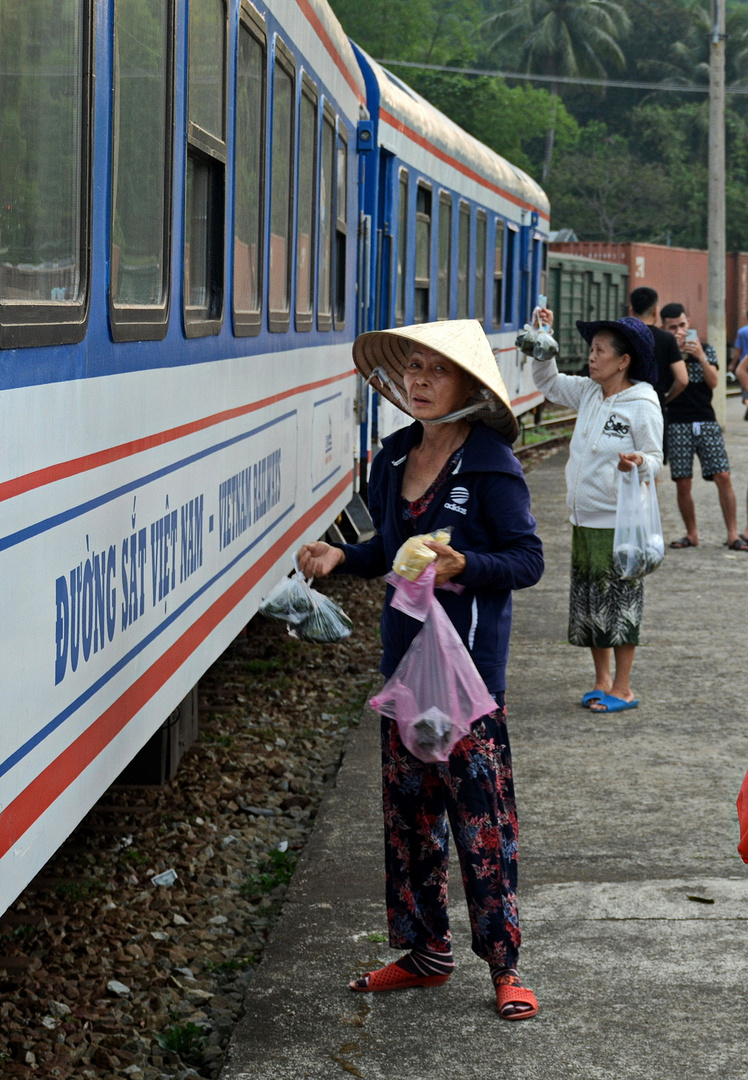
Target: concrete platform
x,y
633,899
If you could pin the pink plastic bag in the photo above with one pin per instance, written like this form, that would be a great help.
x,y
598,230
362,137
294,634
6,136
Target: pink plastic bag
x,y
743,819
436,693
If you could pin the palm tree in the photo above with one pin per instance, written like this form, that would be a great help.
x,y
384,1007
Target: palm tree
x,y
561,37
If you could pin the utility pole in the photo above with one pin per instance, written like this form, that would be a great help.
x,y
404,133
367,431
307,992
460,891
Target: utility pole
x,y
716,324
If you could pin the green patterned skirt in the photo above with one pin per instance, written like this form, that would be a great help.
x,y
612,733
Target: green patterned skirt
x,y
604,611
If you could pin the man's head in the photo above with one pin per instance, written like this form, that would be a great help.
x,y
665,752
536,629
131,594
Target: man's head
x,y
643,304
675,321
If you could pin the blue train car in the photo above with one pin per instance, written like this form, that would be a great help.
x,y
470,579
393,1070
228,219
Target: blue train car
x,y
177,305
202,202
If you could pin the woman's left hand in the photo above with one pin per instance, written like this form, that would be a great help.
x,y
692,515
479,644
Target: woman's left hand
x,y
449,563
627,461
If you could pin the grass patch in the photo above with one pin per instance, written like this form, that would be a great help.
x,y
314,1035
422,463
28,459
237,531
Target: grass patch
x,y
277,869
186,1040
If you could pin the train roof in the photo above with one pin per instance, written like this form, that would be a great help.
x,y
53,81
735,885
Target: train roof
x,y
325,25
415,113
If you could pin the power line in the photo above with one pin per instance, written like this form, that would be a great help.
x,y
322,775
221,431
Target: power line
x,y
666,87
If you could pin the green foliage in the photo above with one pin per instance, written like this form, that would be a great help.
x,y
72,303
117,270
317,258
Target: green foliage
x,y
431,31
186,1040
618,164
276,869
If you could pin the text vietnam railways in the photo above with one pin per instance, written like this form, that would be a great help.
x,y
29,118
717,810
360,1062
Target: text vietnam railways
x,y
201,204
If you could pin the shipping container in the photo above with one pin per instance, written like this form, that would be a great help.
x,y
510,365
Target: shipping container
x,y
680,274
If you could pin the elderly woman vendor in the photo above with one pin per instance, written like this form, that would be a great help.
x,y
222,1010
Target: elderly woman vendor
x,y
619,424
452,468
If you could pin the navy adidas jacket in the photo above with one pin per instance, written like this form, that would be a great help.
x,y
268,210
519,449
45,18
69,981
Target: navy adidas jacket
x,y
487,505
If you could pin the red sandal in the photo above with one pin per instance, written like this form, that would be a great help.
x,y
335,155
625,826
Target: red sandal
x,y
511,991
393,977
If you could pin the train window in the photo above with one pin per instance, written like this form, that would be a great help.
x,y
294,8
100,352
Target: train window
x,y
341,232
481,229
205,177
423,255
281,192
307,197
45,114
207,60
463,263
249,181
142,125
326,197
445,257
498,276
544,268
512,236
402,247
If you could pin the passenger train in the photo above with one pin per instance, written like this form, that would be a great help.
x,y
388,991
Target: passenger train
x,y
202,202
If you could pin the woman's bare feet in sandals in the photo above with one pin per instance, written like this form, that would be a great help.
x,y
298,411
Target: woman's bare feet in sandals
x,y
514,1000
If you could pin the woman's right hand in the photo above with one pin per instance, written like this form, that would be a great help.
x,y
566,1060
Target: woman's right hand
x,y
546,316
319,559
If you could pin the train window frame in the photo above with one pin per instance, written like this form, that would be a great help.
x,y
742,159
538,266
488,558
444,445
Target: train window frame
x,y
422,284
340,239
326,226
279,319
304,319
147,322
498,273
444,257
208,152
28,323
248,322
512,240
401,251
464,222
481,230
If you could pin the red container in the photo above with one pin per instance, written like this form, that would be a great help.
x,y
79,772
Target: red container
x,y
677,274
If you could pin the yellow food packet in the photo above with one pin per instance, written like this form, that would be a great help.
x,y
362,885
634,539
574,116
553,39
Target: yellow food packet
x,y
413,557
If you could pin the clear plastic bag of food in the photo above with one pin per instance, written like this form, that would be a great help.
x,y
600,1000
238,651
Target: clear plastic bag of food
x,y
289,600
526,338
546,346
638,543
308,614
413,556
325,623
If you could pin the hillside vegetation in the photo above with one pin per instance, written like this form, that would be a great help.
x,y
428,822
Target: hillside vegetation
x,y
617,163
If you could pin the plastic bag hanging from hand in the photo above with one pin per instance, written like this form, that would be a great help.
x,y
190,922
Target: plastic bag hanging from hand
x,y
308,614
638,544
436,692
289,600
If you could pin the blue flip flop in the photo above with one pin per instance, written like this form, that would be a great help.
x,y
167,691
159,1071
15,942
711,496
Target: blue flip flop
x,y
591,695
614,704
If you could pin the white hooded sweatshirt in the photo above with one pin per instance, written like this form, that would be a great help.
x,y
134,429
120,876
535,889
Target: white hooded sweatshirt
x,y
622,423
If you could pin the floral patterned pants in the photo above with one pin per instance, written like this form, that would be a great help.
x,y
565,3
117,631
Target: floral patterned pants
x,y
474,791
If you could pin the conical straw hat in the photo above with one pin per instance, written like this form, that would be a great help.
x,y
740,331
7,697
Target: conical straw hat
x,y
460,340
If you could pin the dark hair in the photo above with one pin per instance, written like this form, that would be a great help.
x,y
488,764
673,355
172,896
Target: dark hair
x,y
642,300
672,311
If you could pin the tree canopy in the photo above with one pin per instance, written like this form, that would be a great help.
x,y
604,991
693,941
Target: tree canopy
x,y
617,163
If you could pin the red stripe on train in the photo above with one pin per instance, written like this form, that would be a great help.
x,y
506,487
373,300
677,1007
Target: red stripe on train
x,y
398,125
63,469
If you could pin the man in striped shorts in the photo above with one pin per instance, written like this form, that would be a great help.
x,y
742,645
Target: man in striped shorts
x,y
692,429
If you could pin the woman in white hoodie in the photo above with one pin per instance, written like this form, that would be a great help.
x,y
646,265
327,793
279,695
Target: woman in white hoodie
x,y
619,424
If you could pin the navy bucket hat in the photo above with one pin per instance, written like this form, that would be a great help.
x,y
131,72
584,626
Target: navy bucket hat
x,y
639,337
